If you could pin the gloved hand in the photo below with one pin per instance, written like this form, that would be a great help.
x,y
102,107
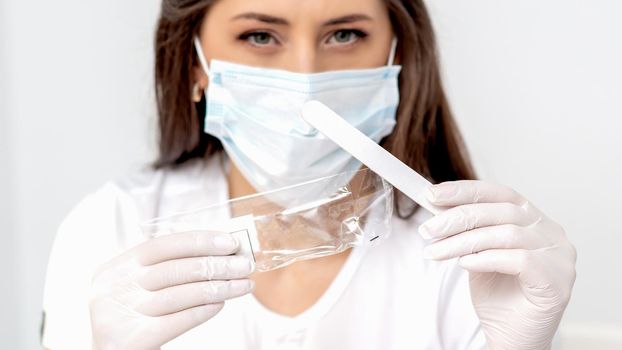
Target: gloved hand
x,y
164,287
521,265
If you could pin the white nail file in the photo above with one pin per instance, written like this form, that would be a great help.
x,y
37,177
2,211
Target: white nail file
x,y
369,153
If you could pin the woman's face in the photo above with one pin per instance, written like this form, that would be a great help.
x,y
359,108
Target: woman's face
x,y
297,35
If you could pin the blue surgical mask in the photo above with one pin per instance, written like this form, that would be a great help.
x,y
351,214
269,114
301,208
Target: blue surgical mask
x,y
256,114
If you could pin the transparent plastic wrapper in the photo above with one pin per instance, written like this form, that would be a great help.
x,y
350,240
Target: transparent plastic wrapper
x,y
304,221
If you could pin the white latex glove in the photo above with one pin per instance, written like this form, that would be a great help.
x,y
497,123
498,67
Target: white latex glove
x,y
164,287
521,265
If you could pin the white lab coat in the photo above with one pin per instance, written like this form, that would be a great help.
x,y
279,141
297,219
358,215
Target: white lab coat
x,y
385,297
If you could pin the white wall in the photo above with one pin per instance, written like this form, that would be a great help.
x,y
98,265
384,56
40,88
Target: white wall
x,y
79,86
537,89
535,86
8,323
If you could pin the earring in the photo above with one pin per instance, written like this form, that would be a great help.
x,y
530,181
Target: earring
x,y
196,93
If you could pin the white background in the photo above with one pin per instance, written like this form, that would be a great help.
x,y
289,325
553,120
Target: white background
x,y
535,86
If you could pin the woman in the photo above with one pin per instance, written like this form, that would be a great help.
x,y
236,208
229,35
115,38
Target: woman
x,y
109,289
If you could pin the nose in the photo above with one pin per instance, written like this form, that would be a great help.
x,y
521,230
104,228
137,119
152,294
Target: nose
x,y
301,56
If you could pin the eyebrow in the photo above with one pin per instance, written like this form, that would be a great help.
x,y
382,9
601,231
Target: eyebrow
x,y
347,19
282,21
261,17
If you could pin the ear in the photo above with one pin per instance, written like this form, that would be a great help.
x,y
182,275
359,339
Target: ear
x,y
199,77
398,58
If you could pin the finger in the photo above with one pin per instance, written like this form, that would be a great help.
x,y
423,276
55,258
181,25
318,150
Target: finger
x,y
471,216
186,245
535,269
171,326
186,296
481,239
181,271
454,193
506,261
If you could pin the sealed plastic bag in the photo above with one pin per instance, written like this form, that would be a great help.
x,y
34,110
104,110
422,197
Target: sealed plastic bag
x,y
313,219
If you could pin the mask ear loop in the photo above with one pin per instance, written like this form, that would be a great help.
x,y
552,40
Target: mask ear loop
x,y
202,60
392,52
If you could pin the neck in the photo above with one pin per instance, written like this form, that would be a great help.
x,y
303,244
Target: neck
x,y
238,186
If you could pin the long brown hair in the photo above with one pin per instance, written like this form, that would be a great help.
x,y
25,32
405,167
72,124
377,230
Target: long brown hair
x,y
426,137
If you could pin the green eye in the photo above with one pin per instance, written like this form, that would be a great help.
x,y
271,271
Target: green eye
x,y
346,36
343,36
260,38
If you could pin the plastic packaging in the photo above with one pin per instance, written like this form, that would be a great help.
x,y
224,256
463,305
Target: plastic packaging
x,y
304,221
